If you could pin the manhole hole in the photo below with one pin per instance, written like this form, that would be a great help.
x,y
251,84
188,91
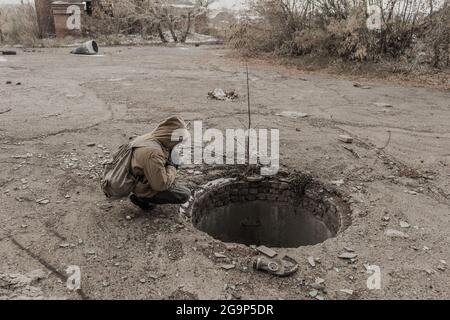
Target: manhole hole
x,y
275,212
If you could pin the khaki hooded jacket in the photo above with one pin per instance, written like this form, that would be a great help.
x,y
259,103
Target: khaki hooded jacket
x,y
150,164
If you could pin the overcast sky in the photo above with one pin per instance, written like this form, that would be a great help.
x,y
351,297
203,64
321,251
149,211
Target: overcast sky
x,y
217,4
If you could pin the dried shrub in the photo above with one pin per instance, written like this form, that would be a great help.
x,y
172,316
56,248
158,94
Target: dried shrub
x,y
338,28
18,24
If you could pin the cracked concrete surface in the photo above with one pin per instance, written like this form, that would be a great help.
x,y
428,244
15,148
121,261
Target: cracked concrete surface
x,y
65,102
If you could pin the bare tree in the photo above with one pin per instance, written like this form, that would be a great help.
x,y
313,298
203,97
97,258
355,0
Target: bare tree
x,y
164,14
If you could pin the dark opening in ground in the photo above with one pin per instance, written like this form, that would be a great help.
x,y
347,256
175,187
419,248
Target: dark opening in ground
x,y
267,213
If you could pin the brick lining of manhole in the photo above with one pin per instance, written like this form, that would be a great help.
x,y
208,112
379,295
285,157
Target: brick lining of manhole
x,y
276,212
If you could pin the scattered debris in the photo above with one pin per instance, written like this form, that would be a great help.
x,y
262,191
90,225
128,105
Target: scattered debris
x,y
219,255
392,233
292,114
228,266
43,201
358,85
353,152
91,144
87,48
280,267
338,183
319,280
345,138
404,224
8,52
8,82
142,280
383,105
64,245
311,262
318,286
347,291
347,255
267,251
313,293
220,94
348,249
5,110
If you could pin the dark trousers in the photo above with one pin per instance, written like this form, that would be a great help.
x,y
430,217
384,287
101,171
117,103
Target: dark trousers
x,y
173,195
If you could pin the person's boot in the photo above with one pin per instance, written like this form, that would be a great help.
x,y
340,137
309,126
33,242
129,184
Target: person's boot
x,y
144,205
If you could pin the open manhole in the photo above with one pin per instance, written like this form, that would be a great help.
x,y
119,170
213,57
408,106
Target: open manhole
x,y
271,212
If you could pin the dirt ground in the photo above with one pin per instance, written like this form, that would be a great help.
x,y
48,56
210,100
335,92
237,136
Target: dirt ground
x,y
70,112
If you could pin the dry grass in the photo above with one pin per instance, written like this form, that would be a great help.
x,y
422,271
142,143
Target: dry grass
x,y
18,25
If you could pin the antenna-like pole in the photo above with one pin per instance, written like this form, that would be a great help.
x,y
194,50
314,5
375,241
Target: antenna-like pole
x,y
249,116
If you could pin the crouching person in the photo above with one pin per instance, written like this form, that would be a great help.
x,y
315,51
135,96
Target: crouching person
x,y
143,169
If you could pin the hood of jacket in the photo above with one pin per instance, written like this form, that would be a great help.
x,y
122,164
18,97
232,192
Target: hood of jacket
x,y
164,130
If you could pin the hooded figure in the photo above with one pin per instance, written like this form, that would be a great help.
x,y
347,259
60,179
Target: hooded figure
x,y
154,170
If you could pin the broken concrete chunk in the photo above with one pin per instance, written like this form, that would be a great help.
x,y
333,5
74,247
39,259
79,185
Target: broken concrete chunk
x,y
358,85
311,262
392,233
347,255
219,255
220,94
292,114
347,291
43,201
345,138
313,293
404,224
228,266
338,183
267,251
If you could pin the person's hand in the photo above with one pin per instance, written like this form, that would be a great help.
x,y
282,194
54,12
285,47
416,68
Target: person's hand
x,y
170,163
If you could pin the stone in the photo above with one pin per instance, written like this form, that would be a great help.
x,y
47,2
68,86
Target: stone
x,y
392,233
347,255
319,280
347,291
267,251
43,201
313,293
91,144
318,286
338,183
404,224
64,245
311,262
345,138
219,255
228,266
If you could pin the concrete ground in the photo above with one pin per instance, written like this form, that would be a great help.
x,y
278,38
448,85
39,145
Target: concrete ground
x,y
54,215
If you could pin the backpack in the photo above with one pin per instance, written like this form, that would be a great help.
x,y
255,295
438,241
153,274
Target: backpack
x,y
118,181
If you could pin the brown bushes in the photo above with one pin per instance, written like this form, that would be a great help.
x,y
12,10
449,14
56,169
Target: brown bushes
x,y
338,29
18,24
